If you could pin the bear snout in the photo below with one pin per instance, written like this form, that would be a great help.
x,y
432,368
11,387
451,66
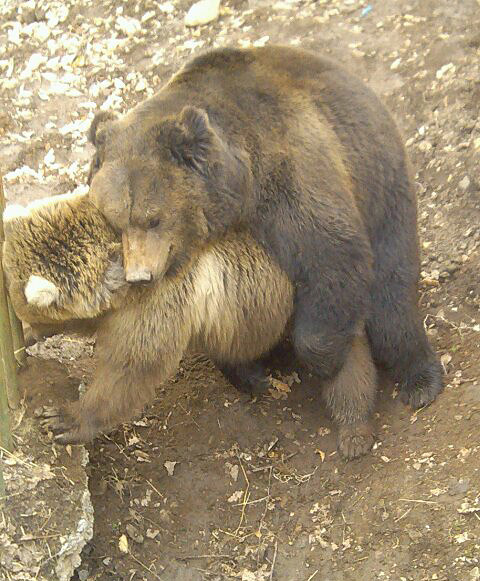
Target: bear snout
x,y
140,276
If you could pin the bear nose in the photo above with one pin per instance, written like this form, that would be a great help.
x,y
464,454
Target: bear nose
x,y
138,276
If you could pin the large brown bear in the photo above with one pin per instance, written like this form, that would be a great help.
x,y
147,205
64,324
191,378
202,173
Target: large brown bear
x,y
230,301
304,156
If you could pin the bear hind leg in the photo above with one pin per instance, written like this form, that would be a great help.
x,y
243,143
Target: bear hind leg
x,y
350,398
250,378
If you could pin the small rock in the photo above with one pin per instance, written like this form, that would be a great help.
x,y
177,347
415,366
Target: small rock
x,y
123,544
464,184
152,534
164,516
396,63
134,534
458,487
129,26
442,71
425,146
83,575
202,12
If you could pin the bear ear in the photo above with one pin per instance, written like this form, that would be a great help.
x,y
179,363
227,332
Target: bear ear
x,y
14,211
193,138
40,292
98,123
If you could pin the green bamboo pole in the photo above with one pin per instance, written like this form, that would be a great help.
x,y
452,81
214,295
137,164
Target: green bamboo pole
x,y
9,366
17,336
8,371
17,327
5,437
2,487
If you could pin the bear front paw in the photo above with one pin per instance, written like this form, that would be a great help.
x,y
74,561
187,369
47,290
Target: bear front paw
x,y
423,388
62,422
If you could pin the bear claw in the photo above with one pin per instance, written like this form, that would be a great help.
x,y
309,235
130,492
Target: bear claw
x,y
355,441
419,397
60,423
66,429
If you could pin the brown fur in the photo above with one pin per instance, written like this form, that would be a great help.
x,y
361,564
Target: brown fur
x,y
230,302
291,147
73,247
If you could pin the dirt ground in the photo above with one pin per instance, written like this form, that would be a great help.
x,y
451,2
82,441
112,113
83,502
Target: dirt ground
x,y
257,491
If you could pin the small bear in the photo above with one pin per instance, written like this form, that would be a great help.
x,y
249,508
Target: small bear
x,y
229,301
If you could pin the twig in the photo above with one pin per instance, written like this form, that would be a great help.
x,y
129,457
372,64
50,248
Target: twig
x,y
274,560
267,499
252,501
17,459
194,557
419,501
312,575
159,493
403,515
190,415
245,496
144,566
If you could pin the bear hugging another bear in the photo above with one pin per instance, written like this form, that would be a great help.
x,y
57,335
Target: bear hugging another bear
x,y
230,301
291,148
270,163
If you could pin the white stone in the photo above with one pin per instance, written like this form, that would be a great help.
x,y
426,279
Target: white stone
x,y
202,12
442,71
129,26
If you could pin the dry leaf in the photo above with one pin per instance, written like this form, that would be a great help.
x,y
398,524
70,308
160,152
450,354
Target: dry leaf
x,y
445,360
170,467
461,538
321,453
123,544
280,385
236,496
234,473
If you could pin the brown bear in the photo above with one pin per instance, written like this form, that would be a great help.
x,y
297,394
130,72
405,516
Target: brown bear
x,y
289,146
230,301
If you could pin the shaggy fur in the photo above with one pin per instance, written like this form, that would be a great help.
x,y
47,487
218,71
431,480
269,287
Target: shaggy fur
x,y
61,258
300,153
230,302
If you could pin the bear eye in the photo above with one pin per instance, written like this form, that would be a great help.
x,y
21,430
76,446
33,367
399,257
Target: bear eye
x,y
153,223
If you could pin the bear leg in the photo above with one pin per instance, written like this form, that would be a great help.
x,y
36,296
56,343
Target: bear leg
x,y
350,397
400,344
115,396
250,378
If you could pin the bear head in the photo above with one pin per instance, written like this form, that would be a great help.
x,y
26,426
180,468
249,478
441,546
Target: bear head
x,y
62,260
167,183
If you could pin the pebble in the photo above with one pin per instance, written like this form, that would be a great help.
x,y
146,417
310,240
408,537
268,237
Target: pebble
x,y
202,12
458,487
396,63
449,68
464,184
134,534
